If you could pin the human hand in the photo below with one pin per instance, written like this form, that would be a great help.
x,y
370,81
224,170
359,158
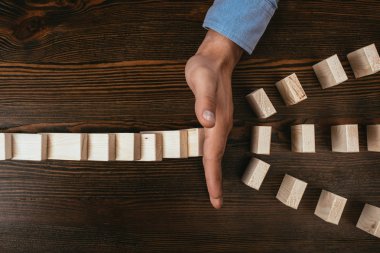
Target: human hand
x,y
208,74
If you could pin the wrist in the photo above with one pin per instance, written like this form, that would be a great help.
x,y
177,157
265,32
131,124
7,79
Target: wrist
x,y
221,50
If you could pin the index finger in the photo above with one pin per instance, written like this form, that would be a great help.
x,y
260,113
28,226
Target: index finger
x,y
213,150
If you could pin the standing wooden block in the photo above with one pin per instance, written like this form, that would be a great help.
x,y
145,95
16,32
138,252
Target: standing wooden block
x,y
364,61
67,146
291,191
101,147
151,147
345,138
195,139
31,147
5,146
174,143
128,146
260,104
291,90
369,220
255,173
330,72
373,138
261,139
303,138
330,207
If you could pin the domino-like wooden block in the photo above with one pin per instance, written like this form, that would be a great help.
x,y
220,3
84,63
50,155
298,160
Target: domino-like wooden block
x,y
291,191
151,147
255,173
67,146
195,139
101,147
31,147
364,61
291,90
261,139
330,207
345,138
373,138
303,138
128,146
174,143
5,146
330,72
260,104
369,220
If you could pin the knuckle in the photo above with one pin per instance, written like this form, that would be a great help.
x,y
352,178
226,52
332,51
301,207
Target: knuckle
x,y
217,157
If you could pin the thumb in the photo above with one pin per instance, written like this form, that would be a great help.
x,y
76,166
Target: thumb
x,y
203,85
205,108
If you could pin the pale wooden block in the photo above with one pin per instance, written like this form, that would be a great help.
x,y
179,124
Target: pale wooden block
x,y
174,143
303,138
260,104
330,72
195,139
291,191
128,146
5,146
330,207
67,146
291,90
261,139
151,147
31,147
101,147
373,138
364,61
345,138
255,173
369,220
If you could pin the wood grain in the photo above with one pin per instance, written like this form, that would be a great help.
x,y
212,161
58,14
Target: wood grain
x,y
118,66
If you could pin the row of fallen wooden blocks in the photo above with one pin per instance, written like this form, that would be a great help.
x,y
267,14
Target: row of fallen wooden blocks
x,y
144,146
330,206
364,61
344,138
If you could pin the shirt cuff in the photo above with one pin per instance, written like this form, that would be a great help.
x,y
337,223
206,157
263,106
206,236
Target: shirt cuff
x,y
243,21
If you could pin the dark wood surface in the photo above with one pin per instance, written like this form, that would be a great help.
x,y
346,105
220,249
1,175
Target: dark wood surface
x,y
108,66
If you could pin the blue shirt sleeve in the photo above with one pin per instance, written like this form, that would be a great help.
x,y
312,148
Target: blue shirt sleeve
x,y
242,21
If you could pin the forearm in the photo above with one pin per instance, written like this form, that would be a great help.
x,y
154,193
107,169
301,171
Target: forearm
x,y
243,21
221,50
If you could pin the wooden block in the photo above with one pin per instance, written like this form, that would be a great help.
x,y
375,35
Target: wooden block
x,y
195,139
67,146
5,146
364,61
291,90
151,147
261,139
373,138
101,147
303,138
291,191
345,138
255,173
260,104
330,72
31,147
330,207
174,143
128,147
369,220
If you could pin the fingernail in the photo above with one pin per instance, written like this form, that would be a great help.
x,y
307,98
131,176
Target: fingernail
x,y
217,203
209,116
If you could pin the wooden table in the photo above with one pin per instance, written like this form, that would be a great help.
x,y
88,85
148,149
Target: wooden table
x,y
118,66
